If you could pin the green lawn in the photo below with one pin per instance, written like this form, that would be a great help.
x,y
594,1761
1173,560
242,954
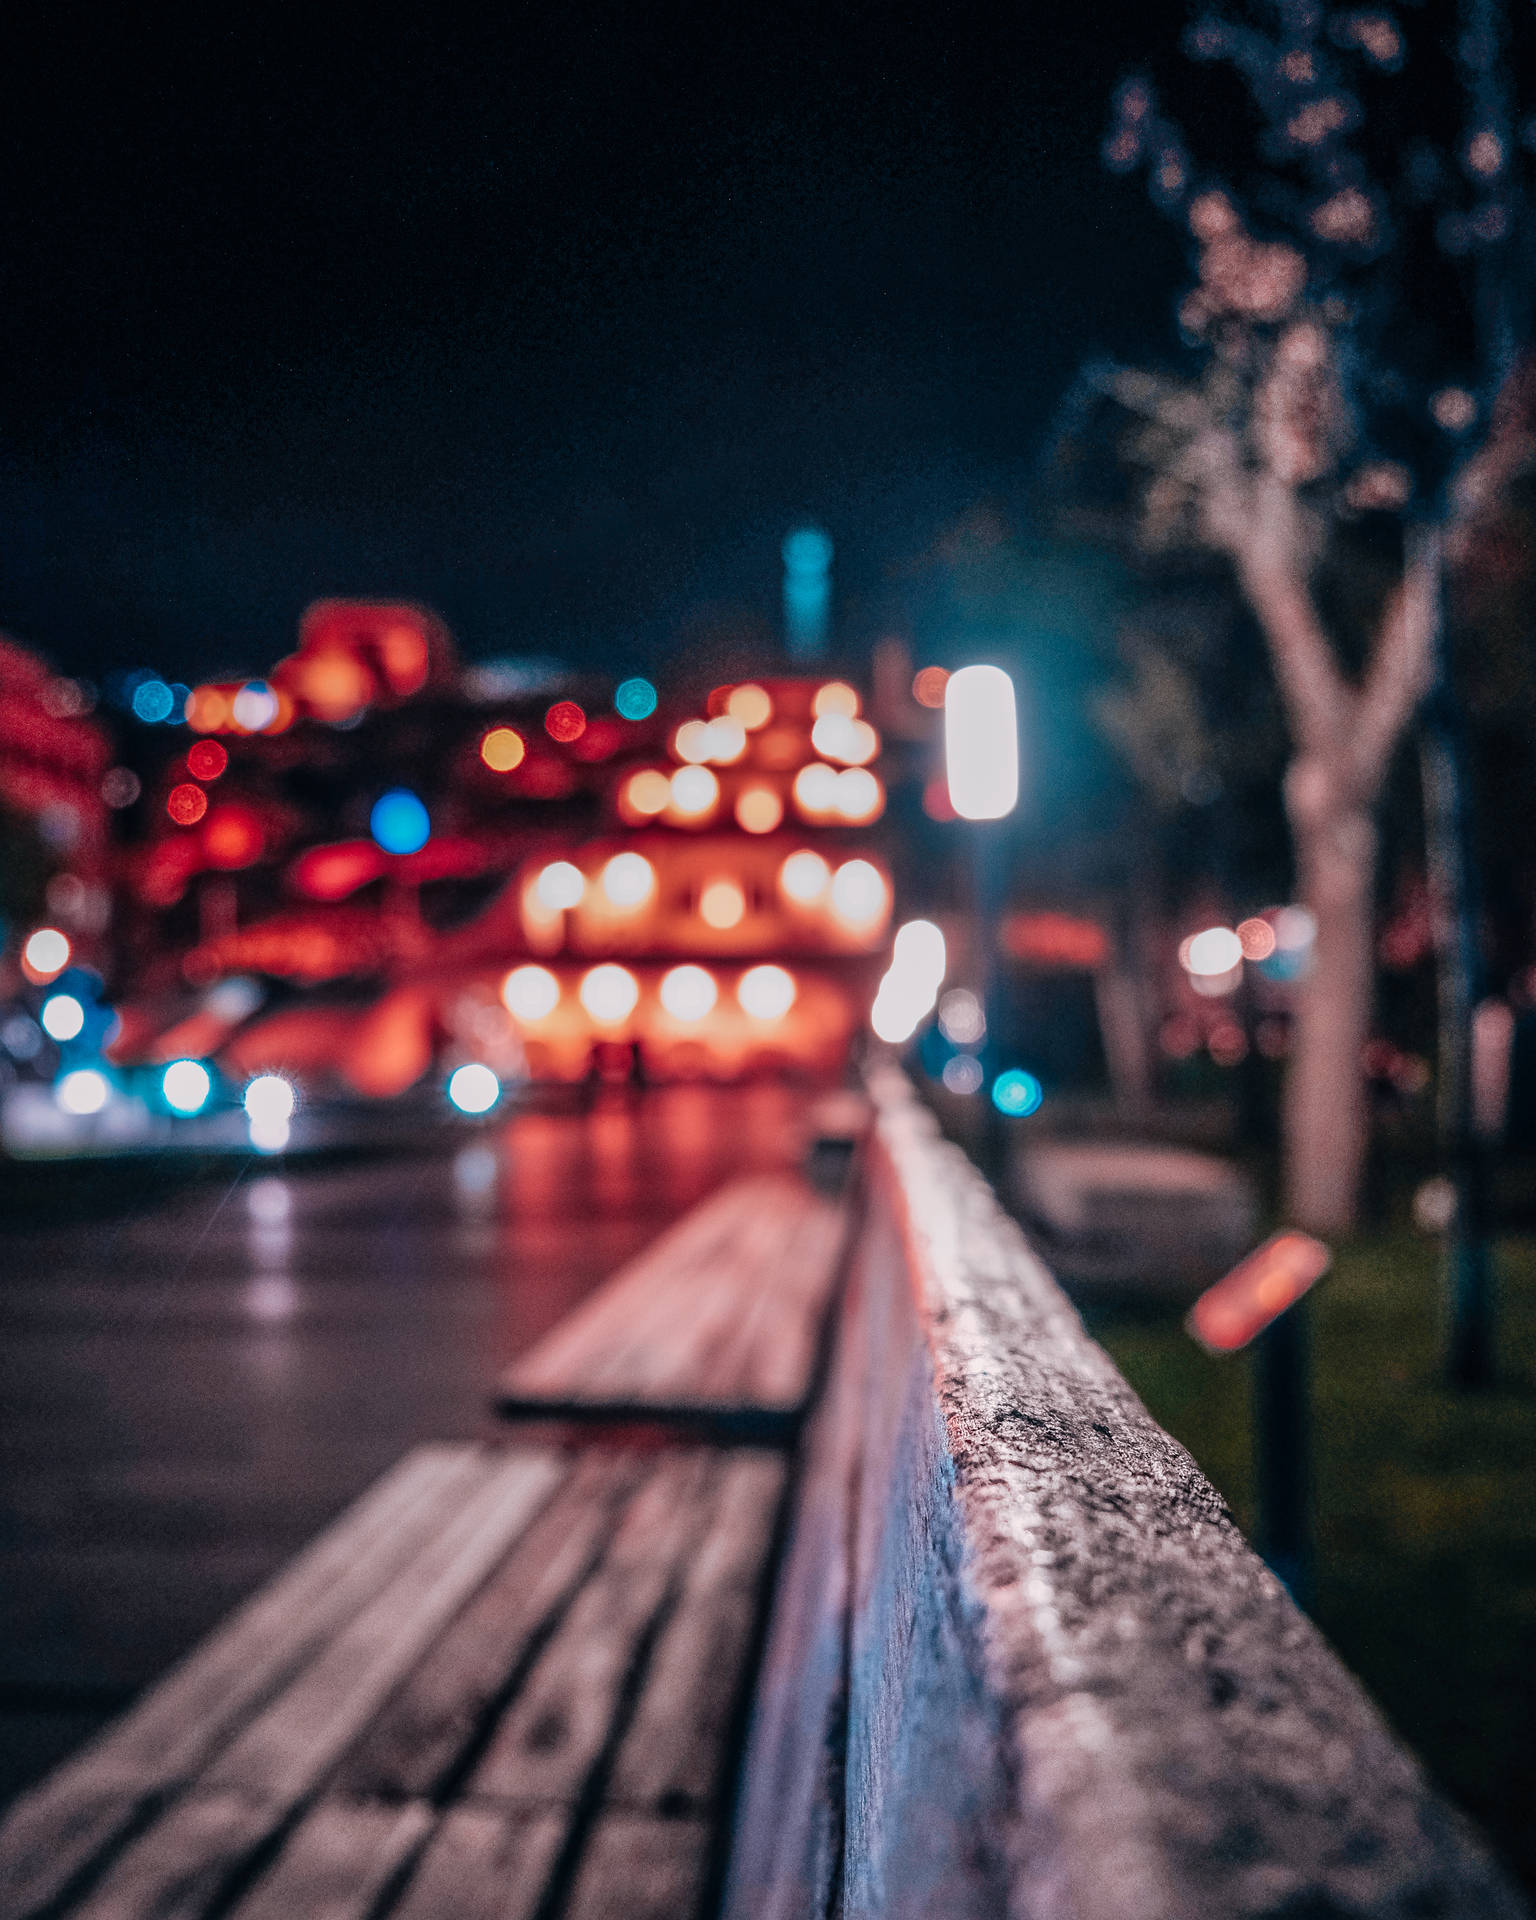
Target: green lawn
x,y
1425,1508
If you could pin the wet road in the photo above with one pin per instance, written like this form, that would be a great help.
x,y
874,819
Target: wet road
x,y
190,1391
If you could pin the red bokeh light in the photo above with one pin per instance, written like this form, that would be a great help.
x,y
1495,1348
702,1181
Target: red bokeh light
x,y
936,803
206,760
565,721
928,687
187,804
232,836
1257,1291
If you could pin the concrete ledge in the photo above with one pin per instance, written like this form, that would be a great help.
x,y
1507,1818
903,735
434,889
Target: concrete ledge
x,y
1022,1661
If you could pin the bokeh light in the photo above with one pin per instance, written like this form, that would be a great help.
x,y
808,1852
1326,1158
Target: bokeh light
x,y
628,880
1215,951
815,790
186,804
565,722
185,1086
269,1099
399,822
84,1091
153,701
805,877
962,1020
502,749
635,699
766,993
928,691
254,707
609,993
963,1073
1016,1093
692,741
859,893
1257,938
45,954
859,796
206,759
561,885
530,993
835,697
474,1088
981,743
695,791
688,993
722,904
648,792
751,705
62,1017
758,810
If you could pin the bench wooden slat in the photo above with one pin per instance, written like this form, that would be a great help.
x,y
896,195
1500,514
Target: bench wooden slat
x,y
424,1729
725,1310
484,1863
554,1732
339,1860
289,1746
636,1868
672,1755
177,1869
56,1830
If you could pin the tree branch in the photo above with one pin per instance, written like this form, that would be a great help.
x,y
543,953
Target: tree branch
x,y
1401,663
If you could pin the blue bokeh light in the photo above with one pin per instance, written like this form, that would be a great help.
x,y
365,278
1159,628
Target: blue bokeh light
x,y
635,699
808,551
153,701
399,822
1016,1093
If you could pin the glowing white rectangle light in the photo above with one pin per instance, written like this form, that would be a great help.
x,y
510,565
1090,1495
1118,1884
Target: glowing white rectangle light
x,y
981,743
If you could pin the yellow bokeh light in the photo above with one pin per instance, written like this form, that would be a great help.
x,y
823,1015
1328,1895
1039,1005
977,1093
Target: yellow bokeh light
x,y
648,792
693,741
860,796
722,904
758,810
693,792
815,789
766,993
750,705
502,749
805,877
835,697
629,880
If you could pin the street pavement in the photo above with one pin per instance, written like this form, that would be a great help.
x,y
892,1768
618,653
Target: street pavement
x,y
189,1391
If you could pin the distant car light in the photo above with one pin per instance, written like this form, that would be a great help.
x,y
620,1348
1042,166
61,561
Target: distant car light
x,y
1016,1093
859,894
185,1086
766,993
751,705
609,993
695,791
805,877
269,1099
62,1017
689,993
722,904
758,810
561,885
83,1091
502,749
45,954
629,880
530,993
474,1088
399,822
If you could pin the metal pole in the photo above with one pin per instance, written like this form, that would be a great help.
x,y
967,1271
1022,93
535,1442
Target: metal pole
x,y
1281,1452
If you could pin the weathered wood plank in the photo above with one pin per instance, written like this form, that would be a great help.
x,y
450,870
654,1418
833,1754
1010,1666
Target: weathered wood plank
x,y
636,1868
553,1733
55,1831
727,1307
338,1860
484,1863
288,1748
673,1755
178,1869
425,1728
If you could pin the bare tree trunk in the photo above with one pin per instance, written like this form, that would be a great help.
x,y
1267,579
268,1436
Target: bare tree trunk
x,y
1326,1121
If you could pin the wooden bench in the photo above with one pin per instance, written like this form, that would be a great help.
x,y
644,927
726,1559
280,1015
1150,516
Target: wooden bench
x,y
511,1680
718,1324
508,1681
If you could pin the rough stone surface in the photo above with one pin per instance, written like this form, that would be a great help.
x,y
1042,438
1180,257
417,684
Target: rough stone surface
x,y
1067,1689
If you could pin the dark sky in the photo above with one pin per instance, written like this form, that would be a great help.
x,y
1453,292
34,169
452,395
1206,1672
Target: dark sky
x,y
555,323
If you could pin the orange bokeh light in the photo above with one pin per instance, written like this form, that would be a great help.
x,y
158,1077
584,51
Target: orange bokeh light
x,y
1257,937
207,709
928,687
758,810
187,804
232,836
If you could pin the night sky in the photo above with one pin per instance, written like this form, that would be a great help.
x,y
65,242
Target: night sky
x,y
555,324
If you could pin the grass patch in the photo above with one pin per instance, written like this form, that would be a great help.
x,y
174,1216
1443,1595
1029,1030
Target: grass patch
x,y
1425,1505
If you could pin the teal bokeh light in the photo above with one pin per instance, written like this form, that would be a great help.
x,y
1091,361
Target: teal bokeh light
x,y
399,822
635,699
1016,1093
